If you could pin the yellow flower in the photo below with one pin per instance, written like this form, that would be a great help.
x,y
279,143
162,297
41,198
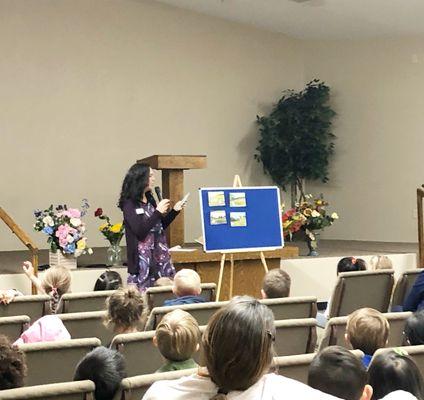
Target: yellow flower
x,y
103,227
286,224
307,212
116,228
81,244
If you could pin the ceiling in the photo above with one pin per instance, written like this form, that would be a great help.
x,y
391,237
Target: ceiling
x,y
319,19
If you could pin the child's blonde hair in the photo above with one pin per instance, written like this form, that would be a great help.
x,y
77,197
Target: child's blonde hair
x,y
125,309
367,330
56,282
178,335
381,262
186,283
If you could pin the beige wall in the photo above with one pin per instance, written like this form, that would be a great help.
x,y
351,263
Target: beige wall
x,y
88,87
377,93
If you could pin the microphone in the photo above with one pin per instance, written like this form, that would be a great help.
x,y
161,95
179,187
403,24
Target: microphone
x,y
158,193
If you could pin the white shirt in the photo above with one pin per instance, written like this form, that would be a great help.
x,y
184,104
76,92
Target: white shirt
x,y
399,395
269,387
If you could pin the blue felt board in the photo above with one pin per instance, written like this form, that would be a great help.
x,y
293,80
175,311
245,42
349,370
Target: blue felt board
x,y
263,213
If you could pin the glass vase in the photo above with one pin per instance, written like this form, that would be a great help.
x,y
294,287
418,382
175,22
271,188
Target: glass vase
x,y
114,255
312,242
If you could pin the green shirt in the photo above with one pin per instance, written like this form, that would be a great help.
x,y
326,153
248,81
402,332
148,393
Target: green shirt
x,y
177,365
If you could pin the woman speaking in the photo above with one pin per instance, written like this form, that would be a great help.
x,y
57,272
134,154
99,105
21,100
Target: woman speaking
x,y
148,254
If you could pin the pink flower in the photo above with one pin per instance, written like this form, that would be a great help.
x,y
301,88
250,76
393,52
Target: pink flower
x,y
72,213
62,231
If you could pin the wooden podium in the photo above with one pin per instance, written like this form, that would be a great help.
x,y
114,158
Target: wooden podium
x,y
172,168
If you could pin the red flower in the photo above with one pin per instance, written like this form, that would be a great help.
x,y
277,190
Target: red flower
x,y
98,212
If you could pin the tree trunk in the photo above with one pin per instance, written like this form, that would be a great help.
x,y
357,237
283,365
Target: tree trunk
x,y
293,193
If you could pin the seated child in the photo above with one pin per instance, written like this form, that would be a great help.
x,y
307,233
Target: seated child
x,y
55,283
106,368
367,330
12,365
186,287
276,284
336,371
125,310
177,338
415,299
163,281
414,328
108,280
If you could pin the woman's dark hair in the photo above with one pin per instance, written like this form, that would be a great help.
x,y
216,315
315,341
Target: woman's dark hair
x,y
106,368
109,280
414,328
351,264
390,371
13,368
135,182
237,345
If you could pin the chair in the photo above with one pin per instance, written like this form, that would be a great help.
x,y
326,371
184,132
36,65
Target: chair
x,y
52,362
297,367
35,306
80,390
415,352
12,327
336,328
87,324
135,387
292,307
85,301
295,336
156,296
403,287
360,289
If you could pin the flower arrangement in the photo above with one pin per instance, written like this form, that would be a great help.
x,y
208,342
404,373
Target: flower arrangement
x,y
64,228
309,215
112,232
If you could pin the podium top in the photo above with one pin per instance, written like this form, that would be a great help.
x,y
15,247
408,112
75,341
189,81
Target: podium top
x,y
175,162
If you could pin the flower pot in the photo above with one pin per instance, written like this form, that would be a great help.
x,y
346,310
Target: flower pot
x,y
64,260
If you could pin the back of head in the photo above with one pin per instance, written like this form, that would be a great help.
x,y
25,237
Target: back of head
x,y
187,283
106,368
125,308
163,281
351,264
56,280
390,371
414,328
380,262
108,280
237,345
178,335
367,330
336,371
276,284
12,365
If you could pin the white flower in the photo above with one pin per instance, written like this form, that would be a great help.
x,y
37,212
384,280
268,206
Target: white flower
x,y
90,250
334,216
315,214
77,253
76,222
48,221
69,238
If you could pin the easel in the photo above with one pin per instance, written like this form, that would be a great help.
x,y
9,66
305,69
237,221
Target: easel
x,y
236,184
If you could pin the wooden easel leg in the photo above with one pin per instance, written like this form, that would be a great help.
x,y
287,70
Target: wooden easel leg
x,y
221,273
231,275
263,261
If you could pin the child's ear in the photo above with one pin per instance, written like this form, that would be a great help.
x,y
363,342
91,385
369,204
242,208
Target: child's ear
x,y
197,347
367,393
174,290
155,341
263,294
346,336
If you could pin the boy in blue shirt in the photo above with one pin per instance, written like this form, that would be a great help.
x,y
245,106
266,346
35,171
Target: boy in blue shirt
x,y
187,288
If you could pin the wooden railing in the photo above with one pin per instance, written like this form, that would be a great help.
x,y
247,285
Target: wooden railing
x,y
420,196
24,238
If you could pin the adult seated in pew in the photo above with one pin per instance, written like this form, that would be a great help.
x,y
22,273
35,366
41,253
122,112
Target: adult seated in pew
x,y
126,310
415,299
390,372
106,368
186,287
55,283
367,330
177,338
12,365
108,280
276,284
238,351
414,329
336,371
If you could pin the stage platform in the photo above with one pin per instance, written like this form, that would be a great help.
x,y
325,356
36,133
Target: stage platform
x,y
310,275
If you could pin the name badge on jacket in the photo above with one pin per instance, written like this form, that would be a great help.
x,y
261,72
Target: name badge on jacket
x,y
139,211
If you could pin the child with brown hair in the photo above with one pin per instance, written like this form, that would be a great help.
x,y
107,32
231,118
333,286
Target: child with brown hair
x,y
177,338
125,310
276,284
367,330
186,287
56,282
